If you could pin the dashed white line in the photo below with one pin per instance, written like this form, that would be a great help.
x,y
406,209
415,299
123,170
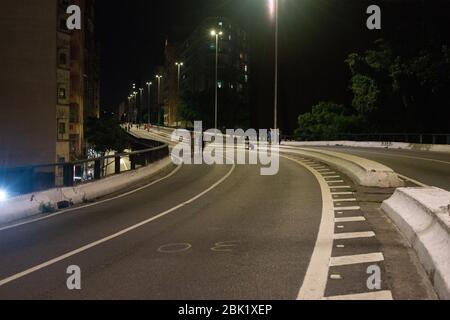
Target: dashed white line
x,y
356,259
354,235
355,208
350,219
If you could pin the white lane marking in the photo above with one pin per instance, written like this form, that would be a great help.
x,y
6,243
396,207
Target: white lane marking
x,y
315,281
340,187
113,236
350,219
420,184
341,193
340,227
354,235
356,259
91,204
378,295
348,208
332,177
344,200
336,181
336,277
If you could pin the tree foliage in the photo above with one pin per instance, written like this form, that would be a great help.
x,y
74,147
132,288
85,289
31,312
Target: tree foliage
x,y
105,134
392,92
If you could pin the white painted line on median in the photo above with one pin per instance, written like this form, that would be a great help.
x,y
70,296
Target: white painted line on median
x,y
356,259
340,187
315,281
349,219
378,295
341,193
91,204
348,208
113,236
354,235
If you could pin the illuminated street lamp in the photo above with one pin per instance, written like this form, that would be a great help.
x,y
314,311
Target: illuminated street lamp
x,y
149,85
273,11
178,65
216,34
159,77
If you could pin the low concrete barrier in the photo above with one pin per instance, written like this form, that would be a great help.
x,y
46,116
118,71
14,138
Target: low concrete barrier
x,y
25,206
365,172
423,216
368,144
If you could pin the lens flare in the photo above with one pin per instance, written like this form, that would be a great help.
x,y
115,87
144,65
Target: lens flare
x,y
271,5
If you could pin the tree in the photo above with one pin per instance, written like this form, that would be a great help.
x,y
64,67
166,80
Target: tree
x,y
105,135
327,121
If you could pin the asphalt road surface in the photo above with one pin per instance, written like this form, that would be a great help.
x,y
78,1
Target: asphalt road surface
x,y
251,237
225,232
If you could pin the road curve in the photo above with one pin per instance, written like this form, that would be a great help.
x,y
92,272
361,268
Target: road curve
x,y
251,237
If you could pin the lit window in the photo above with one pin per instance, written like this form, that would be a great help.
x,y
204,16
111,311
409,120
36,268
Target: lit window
x,y
220,24
229,37
220,84
246,68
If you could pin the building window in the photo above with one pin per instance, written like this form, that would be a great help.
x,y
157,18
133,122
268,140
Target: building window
x,y
62,59
246,68
61,128
220,84
62,93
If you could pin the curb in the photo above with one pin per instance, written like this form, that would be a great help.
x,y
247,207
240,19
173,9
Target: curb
x,y
28,205
423,217
364,172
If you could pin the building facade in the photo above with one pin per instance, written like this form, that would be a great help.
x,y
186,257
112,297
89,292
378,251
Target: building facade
x,y
49,83
198,53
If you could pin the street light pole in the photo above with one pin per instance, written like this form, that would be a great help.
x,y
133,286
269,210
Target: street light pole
x,y
216,34
141,103
275,125
159,77
179,65
149,85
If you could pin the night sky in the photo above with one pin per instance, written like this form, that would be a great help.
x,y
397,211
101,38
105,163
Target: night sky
x,y
316,36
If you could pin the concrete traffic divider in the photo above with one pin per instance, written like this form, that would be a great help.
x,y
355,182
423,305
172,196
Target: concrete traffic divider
x,y
364,172
423,216
28,205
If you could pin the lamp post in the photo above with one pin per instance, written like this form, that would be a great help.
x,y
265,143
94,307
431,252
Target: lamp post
x,y
141,98
149,85
159,77
179,65
216,34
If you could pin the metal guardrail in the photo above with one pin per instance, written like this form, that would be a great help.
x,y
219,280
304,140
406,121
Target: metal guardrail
x,y
22,180
419,138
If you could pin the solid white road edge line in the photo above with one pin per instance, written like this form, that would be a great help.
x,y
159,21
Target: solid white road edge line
x,y
113,236
314,284
91,204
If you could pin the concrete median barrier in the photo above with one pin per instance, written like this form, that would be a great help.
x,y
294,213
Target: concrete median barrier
x,y
25,206
364,172
423,216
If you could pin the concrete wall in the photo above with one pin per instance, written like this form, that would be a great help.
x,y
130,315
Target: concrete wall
x,y
27,82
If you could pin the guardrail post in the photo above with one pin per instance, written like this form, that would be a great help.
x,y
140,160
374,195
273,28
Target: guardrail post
x,y
97,169
117,165
68,173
